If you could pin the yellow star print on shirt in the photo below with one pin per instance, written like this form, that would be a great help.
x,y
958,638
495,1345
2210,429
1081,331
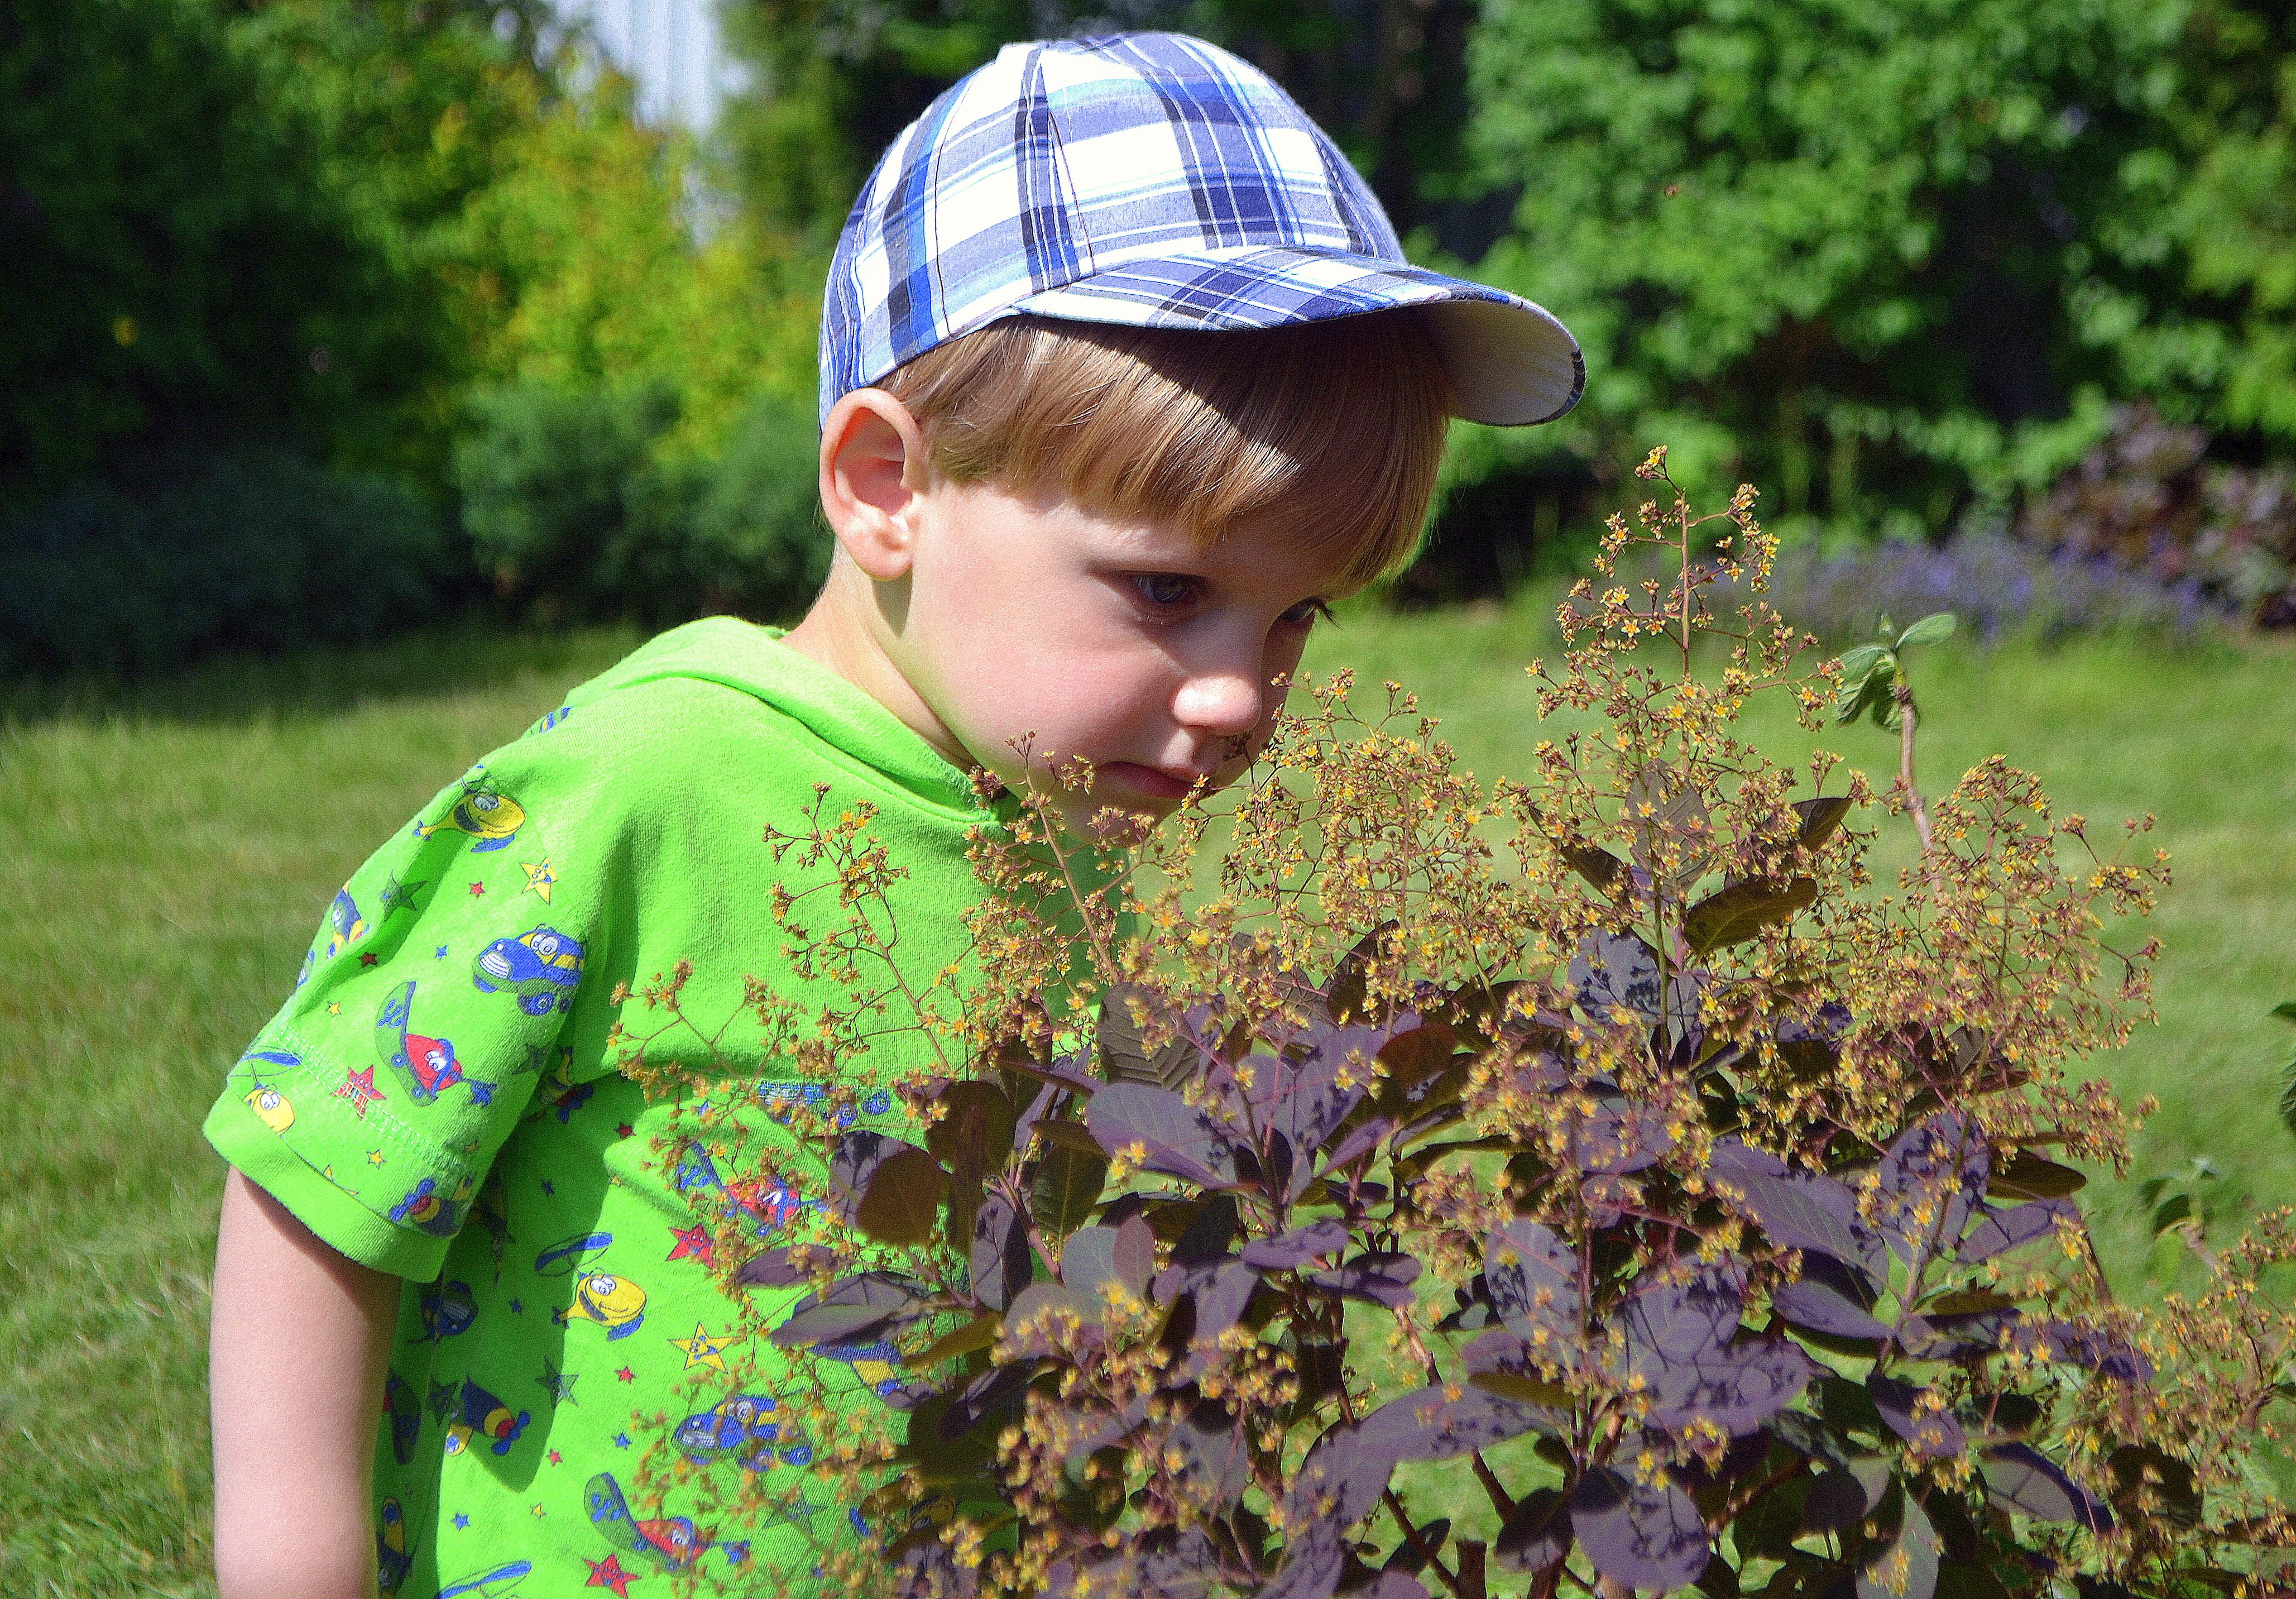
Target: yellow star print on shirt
x,y
702,1350
540,878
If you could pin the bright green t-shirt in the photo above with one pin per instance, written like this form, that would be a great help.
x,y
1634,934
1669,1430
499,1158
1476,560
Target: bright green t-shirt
x,y
440,1099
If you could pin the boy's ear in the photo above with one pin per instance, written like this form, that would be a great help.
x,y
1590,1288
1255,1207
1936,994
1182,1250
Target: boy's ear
x,y
873,469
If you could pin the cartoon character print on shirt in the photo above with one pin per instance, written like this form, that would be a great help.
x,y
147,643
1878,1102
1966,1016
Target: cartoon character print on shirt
x,y
345,925
486,1416
673,1542
393,1558
427,1066
447,1308
491,1211
271,1108
542,966
492,818
406,1414
496,1582
559,1094
429,1208
610,1301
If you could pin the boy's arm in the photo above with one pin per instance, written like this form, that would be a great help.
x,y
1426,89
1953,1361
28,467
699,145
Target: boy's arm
x,y
300,1339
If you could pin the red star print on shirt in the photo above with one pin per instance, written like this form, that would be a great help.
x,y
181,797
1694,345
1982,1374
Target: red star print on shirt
x,y
477,891
695,1241
608,1573
626,1375
358,1088
366,957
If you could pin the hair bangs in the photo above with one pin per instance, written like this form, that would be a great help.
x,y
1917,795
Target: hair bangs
x,y
1330,432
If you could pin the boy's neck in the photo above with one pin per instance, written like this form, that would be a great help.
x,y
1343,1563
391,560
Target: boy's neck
x,y
841,632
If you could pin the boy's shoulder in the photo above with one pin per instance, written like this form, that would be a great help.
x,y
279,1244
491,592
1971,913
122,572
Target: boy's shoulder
x,y
721,711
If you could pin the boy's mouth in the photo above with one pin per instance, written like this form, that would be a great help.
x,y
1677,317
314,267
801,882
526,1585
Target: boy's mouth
x,y
1159,782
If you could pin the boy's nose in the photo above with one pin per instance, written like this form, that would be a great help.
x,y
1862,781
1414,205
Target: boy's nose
x,y
1224,702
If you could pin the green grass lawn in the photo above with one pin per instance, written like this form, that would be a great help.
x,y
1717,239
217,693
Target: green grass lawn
x,y
164,854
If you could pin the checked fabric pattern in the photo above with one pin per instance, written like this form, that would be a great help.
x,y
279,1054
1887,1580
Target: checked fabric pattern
x,y
1151,179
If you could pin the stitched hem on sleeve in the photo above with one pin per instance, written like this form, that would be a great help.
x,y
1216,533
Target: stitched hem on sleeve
x,y
340,1222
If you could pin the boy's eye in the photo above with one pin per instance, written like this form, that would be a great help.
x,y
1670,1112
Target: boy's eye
x,y
1164,589
1306,612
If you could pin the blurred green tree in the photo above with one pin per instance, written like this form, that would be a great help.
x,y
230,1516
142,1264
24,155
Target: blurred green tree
x,y
833,81
1889,253
218,219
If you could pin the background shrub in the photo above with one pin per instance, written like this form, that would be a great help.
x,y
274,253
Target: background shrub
x,y
252,548
573,503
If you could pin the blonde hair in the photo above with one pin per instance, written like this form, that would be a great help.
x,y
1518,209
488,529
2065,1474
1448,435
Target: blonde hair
x,y
1330,432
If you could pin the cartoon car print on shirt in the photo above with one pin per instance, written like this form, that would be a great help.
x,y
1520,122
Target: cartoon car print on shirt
x,y
427,1066
542,966
745,1428
876,1363
491,819
345,925
671,1542
614,1303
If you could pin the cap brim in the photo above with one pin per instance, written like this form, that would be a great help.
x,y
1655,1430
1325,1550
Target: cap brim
x,y
1511,363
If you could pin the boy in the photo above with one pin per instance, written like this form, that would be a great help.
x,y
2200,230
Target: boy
x,y
1123,379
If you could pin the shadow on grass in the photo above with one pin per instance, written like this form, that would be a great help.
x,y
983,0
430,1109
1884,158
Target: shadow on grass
x,y
244,687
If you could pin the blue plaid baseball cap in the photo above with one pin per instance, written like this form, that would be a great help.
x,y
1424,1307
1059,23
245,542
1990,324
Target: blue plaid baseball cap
x,y
1155,180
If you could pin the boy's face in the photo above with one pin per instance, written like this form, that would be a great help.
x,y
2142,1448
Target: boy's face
x,y
1028,619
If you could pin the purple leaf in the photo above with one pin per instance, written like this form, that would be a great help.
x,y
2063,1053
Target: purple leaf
x,y
1537,1533
1395,1585
1359,1142
1906,1566
1381,1278
2020,1476
856,1161
1532,1278
1999,1231
1671,1324
1221,1298
1931,1182
1180,1139
1953,1337
1340,1481
1830,1298
1038,1320
1612,1141
1215,1456
1917,1415
1305,1101
1428,1423
1613,970
1313,1563
2097,1351
1800,1210
1840,1499
771,1269
1297,1247
1639,1535
857,1305
1001,1263
1088,1259
1733,1390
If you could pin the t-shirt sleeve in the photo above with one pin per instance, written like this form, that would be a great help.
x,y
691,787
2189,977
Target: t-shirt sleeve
x,y
428,1009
